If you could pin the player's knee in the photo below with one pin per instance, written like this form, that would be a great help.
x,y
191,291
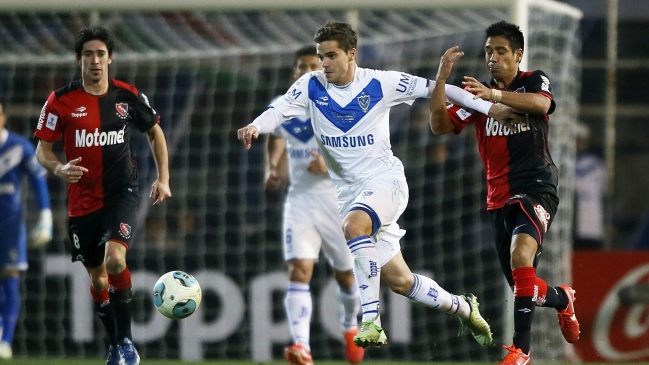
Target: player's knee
x,y
345,279
400,284
353,229
99,283
299,271
115,264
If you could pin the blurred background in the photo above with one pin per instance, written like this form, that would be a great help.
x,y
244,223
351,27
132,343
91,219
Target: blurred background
x,y
209,69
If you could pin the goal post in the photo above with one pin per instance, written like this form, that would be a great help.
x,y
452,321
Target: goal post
x,y
210,67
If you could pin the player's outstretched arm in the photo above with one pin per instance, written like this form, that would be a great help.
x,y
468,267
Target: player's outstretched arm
x,y
70,172
265,123
440,122
160,190
528,103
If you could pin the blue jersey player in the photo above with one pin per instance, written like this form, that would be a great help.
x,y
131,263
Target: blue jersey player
x,y
17,160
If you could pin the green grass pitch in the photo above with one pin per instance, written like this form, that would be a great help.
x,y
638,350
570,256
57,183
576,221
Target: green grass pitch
x,y
97,361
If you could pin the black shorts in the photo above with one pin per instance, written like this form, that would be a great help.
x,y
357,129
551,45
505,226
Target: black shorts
x,y
522,213
115,221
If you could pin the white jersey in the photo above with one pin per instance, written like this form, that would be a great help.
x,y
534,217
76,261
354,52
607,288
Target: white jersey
x,y
351,123
298,133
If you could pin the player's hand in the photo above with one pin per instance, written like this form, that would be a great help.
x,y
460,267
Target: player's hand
x,y
446,63
273,180
247,134
505,115
70,172
317,165
41,234
160,192
477,88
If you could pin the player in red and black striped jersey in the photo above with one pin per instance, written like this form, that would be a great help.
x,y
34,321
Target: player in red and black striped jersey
x,y
93,116
521,176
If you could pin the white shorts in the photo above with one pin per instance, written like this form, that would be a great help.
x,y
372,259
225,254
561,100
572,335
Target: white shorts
x,y
312,221
384,198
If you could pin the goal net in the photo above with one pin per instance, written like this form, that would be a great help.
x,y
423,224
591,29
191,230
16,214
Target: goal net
x,y
210,72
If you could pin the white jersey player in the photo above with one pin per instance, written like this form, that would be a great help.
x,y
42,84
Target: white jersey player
x,y
311,221
349,109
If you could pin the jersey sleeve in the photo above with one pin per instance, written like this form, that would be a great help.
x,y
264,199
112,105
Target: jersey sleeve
x,y
400,87
36,175
145,116
539,83
461,116
49,122
277,132
296,100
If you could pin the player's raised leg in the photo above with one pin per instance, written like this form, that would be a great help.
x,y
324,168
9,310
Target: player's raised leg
x,y
424,290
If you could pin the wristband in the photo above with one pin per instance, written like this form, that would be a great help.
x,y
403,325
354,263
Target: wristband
x,y
496,95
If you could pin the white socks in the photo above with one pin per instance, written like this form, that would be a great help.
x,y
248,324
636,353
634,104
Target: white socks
x,y
299,306
367,272
351,305
426,291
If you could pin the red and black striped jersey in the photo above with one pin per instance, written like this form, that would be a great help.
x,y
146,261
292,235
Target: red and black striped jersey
x,y
516,161
96,128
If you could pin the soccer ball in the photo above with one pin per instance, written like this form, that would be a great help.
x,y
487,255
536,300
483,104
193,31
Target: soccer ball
x,y
177,294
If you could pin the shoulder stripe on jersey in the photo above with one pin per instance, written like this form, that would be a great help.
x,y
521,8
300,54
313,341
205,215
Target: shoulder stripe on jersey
x,y
301,130
123,85
344,118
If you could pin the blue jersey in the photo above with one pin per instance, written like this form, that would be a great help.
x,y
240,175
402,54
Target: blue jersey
x,y
17,160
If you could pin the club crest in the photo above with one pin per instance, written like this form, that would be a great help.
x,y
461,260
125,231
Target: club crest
x,y
364,102
125,229
122,110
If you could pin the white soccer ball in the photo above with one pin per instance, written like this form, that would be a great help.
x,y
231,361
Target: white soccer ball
x,y
177,294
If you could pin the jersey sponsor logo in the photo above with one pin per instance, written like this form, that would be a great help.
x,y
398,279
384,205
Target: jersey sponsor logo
x,y
52,119
41,118
146,101
545,85
80,112
347,141
374,269
125,230
494,129
463,113
7,189
96,138
292,95
543,216
122,110
301,153
323,100
433,292
407,84
364,102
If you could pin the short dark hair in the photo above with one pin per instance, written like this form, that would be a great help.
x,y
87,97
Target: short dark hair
x,y
337,31
92,33
510,31
309,50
